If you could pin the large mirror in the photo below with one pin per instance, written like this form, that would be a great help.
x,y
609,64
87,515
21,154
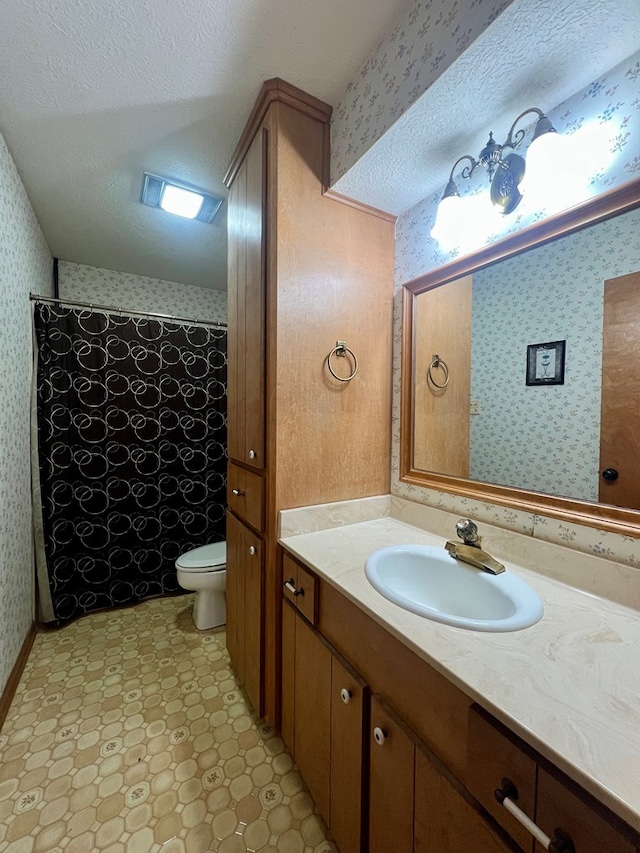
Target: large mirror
x,y
521,369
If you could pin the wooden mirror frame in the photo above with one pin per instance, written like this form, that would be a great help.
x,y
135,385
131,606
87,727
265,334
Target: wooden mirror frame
x,y
602,516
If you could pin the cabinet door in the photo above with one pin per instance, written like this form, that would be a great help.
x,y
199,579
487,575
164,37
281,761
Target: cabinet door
x,y
244,607
246,299
287,713
235,593
312,703
349,695
391,783
445,819
583,820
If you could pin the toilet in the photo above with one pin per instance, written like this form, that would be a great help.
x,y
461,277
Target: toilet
x,y
204,570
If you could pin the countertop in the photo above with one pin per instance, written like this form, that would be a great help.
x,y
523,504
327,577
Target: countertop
x,y
569,685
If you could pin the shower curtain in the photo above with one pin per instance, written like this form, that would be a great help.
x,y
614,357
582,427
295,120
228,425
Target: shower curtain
x,y
131,455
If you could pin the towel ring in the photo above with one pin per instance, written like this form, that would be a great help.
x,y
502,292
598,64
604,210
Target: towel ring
x,y
438,362
341,350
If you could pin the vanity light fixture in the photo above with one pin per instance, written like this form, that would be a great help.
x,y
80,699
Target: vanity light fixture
x,y
506,172
179,198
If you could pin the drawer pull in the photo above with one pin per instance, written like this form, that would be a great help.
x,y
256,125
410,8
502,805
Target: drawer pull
x,y
346,695
238,492
291,587
560,843
379,735
252,549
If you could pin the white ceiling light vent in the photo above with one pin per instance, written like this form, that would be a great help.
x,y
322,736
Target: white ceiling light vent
x,y
178,198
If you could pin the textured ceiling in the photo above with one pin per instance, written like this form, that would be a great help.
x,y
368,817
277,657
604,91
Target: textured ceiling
x,y
94,92
536,53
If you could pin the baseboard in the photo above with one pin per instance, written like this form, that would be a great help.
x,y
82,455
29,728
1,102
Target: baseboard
x,y
14,678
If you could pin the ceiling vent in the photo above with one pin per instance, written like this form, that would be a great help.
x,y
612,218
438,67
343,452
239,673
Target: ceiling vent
x,y
179,198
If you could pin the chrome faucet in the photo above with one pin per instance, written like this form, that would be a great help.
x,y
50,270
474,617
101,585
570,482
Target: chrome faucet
x,y
469,550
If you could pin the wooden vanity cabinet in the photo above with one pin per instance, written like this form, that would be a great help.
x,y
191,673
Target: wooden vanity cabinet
x,y
544,794
422,794
323,723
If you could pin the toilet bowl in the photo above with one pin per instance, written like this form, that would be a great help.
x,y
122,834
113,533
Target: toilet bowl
x,y
204,570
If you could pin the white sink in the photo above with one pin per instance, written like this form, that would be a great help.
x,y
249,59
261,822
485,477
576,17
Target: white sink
x,y
428,581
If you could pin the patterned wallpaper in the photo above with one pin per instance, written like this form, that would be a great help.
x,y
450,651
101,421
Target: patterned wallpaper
x,y
613,103
524,435
427,39
136,292
610,107
25,265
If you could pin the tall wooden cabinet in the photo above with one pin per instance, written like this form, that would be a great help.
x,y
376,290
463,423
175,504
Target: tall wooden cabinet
x,y
306,269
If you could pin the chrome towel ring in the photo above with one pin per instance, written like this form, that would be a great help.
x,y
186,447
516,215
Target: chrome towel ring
x,y
341,350
438,362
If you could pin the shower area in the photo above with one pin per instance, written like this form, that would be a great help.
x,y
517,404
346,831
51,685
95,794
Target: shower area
x,y
128,453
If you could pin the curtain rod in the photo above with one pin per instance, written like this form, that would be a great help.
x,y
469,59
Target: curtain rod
x,y
115,308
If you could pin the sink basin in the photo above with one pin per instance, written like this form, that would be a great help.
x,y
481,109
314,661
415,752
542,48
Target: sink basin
x,y
431,583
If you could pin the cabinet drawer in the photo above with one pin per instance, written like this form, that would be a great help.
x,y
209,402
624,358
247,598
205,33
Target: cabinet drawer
x,y
563,805
300,587
493,754
244,495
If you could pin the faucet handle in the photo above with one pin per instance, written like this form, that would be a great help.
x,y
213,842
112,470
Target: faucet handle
x,y
467,530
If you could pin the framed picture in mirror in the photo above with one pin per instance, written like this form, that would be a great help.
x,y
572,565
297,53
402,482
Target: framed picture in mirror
x,y
545,363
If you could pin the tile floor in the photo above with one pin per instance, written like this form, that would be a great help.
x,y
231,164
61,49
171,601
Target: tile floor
x,y
128,734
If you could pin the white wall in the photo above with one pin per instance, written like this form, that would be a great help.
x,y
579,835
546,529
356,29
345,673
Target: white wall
x,y
25,265
136,292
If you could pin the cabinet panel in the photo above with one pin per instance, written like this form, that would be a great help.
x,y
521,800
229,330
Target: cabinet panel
x,y
559,807
235,592
349,702
287,713
245,495
391,783
492,756
445,819
253,598
246,331
312,735
245,607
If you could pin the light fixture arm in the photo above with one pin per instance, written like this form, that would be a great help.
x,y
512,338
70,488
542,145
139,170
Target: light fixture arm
x,y
468,170
512,141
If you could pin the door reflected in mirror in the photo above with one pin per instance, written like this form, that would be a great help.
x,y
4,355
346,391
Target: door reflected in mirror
x,y
487,424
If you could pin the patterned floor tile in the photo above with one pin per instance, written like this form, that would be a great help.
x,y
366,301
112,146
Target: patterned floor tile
x,y
129,734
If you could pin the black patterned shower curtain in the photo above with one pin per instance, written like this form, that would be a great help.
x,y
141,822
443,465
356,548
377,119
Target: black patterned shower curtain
x,y
131,455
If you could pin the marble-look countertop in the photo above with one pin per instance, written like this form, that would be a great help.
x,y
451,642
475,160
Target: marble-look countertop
x,y
569,685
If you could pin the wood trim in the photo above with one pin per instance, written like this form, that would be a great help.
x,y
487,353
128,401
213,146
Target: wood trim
x,y
360,205
274,90
16,673
602,516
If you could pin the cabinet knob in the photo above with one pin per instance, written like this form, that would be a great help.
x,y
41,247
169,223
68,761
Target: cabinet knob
x,y
252,549
610,474
346,695
252,454
379,735
238,492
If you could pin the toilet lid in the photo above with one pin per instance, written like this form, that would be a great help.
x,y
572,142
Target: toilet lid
x,y
204,557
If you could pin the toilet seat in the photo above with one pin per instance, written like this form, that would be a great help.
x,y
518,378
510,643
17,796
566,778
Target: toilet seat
x,y
206,558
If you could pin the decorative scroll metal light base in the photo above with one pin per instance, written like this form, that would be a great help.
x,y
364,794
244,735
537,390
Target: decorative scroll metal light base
x,y
505,172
